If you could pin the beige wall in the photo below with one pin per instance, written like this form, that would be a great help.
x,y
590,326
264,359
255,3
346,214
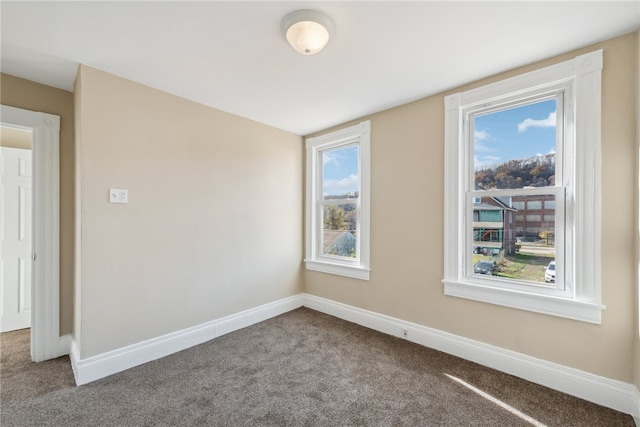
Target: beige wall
x,y
213,223
15,138
20,93
407,234
637,335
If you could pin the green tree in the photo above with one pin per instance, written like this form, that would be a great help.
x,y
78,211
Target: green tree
x,y
334,218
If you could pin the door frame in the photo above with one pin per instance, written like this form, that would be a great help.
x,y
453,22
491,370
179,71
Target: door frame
x,y
46,342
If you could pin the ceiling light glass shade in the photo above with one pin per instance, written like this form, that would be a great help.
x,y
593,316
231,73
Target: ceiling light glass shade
x,y
307,31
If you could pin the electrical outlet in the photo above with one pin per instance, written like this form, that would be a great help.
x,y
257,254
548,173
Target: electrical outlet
x,y
117,195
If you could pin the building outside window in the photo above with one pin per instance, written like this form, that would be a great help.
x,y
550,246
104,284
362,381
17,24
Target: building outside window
x,y
535,215
493,226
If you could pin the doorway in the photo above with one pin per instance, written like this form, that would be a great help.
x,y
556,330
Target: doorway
x,y
46,342
15,228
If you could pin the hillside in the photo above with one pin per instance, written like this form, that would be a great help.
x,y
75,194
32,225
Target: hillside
x,y
537,171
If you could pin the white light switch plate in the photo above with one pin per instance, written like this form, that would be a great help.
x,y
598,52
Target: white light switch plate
x,y
117,195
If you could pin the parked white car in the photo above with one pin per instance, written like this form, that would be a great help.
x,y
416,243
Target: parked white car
x,y
550,273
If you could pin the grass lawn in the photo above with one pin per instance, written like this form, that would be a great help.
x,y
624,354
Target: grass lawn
x,y
524,266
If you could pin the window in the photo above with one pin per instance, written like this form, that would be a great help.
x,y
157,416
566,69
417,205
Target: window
x,y
337,202
518,145
490,216
537,204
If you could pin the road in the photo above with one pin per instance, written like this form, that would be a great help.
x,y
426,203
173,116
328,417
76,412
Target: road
x,y
538,250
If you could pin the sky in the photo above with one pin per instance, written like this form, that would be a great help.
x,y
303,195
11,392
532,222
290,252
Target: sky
x,y
517,133
340,171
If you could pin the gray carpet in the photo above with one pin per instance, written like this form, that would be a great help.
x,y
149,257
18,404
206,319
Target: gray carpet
x,y
303,368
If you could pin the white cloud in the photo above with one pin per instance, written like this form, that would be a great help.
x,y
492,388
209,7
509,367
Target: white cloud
x,y
549,122
340,186
478,146
478,136
332,158
481,135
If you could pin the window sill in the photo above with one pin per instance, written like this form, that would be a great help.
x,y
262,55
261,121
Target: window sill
x,y
562,307
355,272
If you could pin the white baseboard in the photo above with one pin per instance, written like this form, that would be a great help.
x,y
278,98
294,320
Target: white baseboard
x,y
103,365
74,356
613,394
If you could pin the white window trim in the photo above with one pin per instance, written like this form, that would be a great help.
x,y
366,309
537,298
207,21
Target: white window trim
x,y
584,73
359,134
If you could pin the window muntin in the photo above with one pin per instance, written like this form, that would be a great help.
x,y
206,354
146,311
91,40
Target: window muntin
x,y
575,189
337,224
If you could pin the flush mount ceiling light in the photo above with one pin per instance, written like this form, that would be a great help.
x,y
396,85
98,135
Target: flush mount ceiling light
x,y
307,31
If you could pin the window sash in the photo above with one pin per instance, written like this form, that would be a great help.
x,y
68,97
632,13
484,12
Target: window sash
x,y
321,203
563,286
561,92
320,229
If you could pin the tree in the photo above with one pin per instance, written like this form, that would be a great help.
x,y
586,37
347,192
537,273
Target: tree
x,y
537,170
545,234
351,220
334,218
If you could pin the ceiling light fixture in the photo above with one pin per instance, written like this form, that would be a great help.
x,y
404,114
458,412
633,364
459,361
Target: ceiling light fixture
x,y
307,31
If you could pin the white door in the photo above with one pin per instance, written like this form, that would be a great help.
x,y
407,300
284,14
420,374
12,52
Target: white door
x,y
15,236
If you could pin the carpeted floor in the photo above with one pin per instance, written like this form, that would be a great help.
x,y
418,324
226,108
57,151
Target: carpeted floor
x,y
303,368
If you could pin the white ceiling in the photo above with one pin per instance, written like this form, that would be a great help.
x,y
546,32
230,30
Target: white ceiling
x,y
232,55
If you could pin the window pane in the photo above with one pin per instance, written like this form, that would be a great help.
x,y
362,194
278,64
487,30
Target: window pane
x,y
340,173
512,243
534,204
339,230
515,148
